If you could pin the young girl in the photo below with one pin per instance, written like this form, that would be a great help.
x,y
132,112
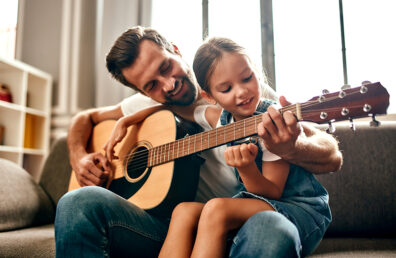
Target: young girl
x,y
268,184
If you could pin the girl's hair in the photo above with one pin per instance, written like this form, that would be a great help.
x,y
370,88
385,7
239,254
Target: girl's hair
x,y
210,53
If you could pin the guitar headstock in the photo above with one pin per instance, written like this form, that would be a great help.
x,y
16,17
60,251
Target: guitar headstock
x,y
366,100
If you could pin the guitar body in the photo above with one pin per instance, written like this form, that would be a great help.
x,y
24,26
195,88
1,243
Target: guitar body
x,y
156,189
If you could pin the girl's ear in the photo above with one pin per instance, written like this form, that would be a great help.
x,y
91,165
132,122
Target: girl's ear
x,y
176,49
208,97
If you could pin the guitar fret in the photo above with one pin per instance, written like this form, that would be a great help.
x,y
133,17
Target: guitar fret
x,y
195,141
183,148
178,148
155,156
201,142
159,154
173,154
234,130
208,140
168,152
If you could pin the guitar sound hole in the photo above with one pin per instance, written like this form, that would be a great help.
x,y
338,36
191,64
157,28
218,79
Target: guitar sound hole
x,y
137,162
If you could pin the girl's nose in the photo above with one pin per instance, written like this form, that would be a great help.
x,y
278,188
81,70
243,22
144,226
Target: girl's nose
x,y
241,91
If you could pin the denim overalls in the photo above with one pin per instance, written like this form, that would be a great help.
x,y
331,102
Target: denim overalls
x,y
304,200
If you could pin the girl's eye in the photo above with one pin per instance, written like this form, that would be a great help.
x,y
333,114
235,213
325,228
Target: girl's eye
x,y
248,78
226,89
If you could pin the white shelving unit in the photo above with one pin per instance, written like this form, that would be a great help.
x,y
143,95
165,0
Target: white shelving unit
x,y
26,120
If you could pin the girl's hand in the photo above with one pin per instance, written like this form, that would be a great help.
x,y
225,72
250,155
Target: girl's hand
x,y
119,132
240,156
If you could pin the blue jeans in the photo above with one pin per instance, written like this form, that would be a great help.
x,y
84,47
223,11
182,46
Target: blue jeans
x,y
94,222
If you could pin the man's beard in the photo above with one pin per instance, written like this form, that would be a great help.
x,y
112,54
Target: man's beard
x,y
189,96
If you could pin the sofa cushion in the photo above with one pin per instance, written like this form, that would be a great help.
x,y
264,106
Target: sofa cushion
x,y
22,201
28,242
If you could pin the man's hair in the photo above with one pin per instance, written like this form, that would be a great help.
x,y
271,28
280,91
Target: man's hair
x,y
125,50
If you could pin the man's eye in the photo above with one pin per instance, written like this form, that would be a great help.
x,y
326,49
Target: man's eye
x,y
166,69
151,86
248,78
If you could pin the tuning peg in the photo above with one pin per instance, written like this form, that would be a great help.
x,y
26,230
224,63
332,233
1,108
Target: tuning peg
x,y
331,128
366,82
345,87
325,91
374,122
352,125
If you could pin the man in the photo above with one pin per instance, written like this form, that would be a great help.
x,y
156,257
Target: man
x,y
95,222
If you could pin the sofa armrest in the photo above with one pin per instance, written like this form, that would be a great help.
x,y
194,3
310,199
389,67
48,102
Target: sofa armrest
x,y
56,171
23,202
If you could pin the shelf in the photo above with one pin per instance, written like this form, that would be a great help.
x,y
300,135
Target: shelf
x,y
26,119
5,148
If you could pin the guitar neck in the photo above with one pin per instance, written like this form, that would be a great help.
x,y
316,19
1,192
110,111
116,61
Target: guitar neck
x,y
367,99
209,139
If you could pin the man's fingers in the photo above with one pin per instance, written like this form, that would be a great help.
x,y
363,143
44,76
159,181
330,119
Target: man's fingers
x,y
277,118
269,125
291,123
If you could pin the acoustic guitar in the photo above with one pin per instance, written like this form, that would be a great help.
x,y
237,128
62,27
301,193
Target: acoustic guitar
x,y
157,169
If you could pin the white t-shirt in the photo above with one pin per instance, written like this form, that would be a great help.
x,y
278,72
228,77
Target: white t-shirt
x,y
217,179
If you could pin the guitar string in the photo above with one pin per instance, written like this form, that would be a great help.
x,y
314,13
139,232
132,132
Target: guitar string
x,y
141,156
292,107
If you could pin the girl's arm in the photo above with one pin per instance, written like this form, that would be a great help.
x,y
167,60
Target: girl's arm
x,y
269,183
120,129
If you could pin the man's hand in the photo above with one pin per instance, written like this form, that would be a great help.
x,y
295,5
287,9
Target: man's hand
x,y
279,132
92,169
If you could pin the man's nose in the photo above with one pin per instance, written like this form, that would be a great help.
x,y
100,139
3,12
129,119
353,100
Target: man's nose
x,y
168,84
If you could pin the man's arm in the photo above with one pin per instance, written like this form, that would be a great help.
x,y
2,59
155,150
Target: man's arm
x,y
317,152
83,163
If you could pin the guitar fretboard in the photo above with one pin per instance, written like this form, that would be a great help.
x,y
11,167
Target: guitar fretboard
x,y
206,140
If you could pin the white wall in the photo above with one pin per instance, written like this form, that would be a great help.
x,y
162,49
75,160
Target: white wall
x,y
69,39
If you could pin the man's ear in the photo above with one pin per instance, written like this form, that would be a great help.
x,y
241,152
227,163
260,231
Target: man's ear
x,y
176,49
208,97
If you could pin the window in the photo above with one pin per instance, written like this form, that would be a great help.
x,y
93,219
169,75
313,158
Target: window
x,y
8,23
307,44
307,39
238,20
308,49
180,21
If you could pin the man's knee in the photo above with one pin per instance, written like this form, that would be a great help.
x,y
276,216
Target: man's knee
x,y
267,234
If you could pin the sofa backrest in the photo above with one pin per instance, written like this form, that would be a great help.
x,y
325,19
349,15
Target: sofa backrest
x,y
363,193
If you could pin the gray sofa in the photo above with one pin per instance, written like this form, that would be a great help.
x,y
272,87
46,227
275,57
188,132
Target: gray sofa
x,y
362,198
